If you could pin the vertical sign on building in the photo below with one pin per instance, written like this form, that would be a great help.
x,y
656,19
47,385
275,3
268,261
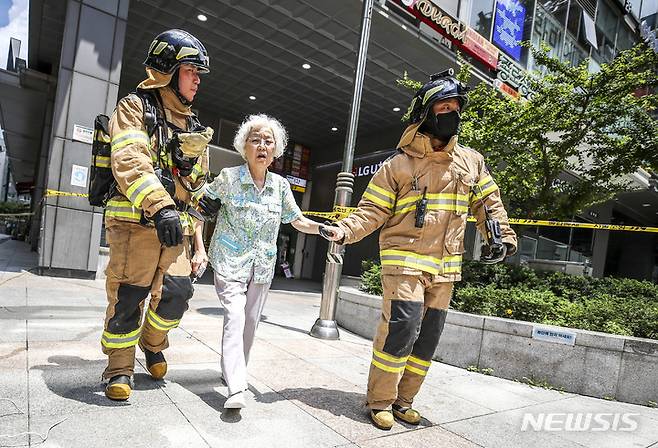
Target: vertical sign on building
x,y
508,27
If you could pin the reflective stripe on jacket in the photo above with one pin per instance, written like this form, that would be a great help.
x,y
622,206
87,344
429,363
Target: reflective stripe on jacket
x,y
134,157
455,180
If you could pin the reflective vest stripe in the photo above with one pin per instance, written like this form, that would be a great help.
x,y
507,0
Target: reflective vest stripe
x,y
125,138
102,161
124,210
141,187
387,357
112,340
485,187
388,363
197,172
160,323
372,196
447,265
415,370
454,202
386,368
420,362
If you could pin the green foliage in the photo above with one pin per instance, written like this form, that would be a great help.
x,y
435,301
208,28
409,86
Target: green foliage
x,y
619,306
13,207
371,277
588,124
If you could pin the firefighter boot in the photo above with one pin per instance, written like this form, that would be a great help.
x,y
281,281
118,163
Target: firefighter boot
x,y
406,414
156,364
383,419
118,388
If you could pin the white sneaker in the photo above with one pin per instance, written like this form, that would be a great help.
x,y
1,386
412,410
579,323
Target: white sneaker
x,y
235,401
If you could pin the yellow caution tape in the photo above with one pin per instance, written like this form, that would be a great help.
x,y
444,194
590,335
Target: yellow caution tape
x,y
3,215
580,225
342,212
65,193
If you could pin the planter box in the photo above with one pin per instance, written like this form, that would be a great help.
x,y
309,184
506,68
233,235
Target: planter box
x,y
595,364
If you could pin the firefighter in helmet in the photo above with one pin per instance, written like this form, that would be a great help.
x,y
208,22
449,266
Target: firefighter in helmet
x,y
421,196
159,161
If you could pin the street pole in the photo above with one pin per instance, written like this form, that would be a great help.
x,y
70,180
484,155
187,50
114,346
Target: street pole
x,y
325,326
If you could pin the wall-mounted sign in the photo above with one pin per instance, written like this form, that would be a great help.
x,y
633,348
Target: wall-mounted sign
x,y
514,75
296,183
438,19
506,89
429,13
83,134
366,170
481,48
79,175
508,27
559,336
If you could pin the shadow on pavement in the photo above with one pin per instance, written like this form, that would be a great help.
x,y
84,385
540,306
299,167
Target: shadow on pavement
x,y
79,379
340,403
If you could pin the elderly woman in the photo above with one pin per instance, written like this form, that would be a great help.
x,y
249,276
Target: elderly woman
x,y
243,249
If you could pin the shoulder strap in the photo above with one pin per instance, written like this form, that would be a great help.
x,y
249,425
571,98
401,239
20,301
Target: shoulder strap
x,y
152,111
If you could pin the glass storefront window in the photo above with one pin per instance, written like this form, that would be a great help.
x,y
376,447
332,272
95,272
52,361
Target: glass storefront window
x,y
449,6
549,29
606,30
649,12
625,38
481,16
573,53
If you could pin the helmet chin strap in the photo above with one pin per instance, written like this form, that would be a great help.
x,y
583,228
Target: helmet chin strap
x,y
174,86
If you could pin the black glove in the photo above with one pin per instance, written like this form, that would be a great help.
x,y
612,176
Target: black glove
x,y
167,223
209,207
493,254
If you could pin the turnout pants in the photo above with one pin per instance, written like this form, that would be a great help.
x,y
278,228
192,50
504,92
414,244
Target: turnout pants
x,y
140,265
243,304
413,315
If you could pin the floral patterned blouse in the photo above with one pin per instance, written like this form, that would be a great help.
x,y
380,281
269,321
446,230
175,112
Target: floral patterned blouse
x,y
248,223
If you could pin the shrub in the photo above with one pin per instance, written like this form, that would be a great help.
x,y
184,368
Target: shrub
x,y
371,277
612,305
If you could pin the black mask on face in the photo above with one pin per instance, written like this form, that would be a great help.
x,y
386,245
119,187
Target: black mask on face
x,y
442,126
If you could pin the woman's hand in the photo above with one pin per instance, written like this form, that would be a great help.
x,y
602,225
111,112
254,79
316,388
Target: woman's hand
x,y
331,233
199,263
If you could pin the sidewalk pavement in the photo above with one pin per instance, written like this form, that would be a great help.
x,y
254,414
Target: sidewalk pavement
x,y
304,392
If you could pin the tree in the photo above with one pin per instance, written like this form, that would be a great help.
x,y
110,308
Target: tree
x,y
570,144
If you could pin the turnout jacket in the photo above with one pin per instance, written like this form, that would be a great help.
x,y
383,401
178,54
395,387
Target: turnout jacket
x,y
455,180
133,159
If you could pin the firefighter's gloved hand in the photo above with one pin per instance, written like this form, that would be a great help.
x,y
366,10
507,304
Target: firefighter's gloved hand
x,y
209,207
493,254
192,144
167,224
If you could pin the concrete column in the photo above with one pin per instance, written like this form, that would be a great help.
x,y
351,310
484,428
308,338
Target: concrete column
x,y
601,239
87,84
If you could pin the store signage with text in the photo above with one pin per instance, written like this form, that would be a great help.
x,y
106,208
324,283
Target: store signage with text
x,y
513,75
468,39
508,27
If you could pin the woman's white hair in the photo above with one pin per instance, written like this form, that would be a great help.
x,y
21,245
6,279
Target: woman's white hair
x,y
259,121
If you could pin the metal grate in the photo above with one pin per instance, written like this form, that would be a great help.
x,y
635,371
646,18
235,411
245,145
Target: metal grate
x,y
588,5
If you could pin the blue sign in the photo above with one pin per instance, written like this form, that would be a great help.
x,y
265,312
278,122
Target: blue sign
x,y
508,27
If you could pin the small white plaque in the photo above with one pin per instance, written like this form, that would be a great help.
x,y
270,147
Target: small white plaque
x,y
558,336
79,176
83,134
